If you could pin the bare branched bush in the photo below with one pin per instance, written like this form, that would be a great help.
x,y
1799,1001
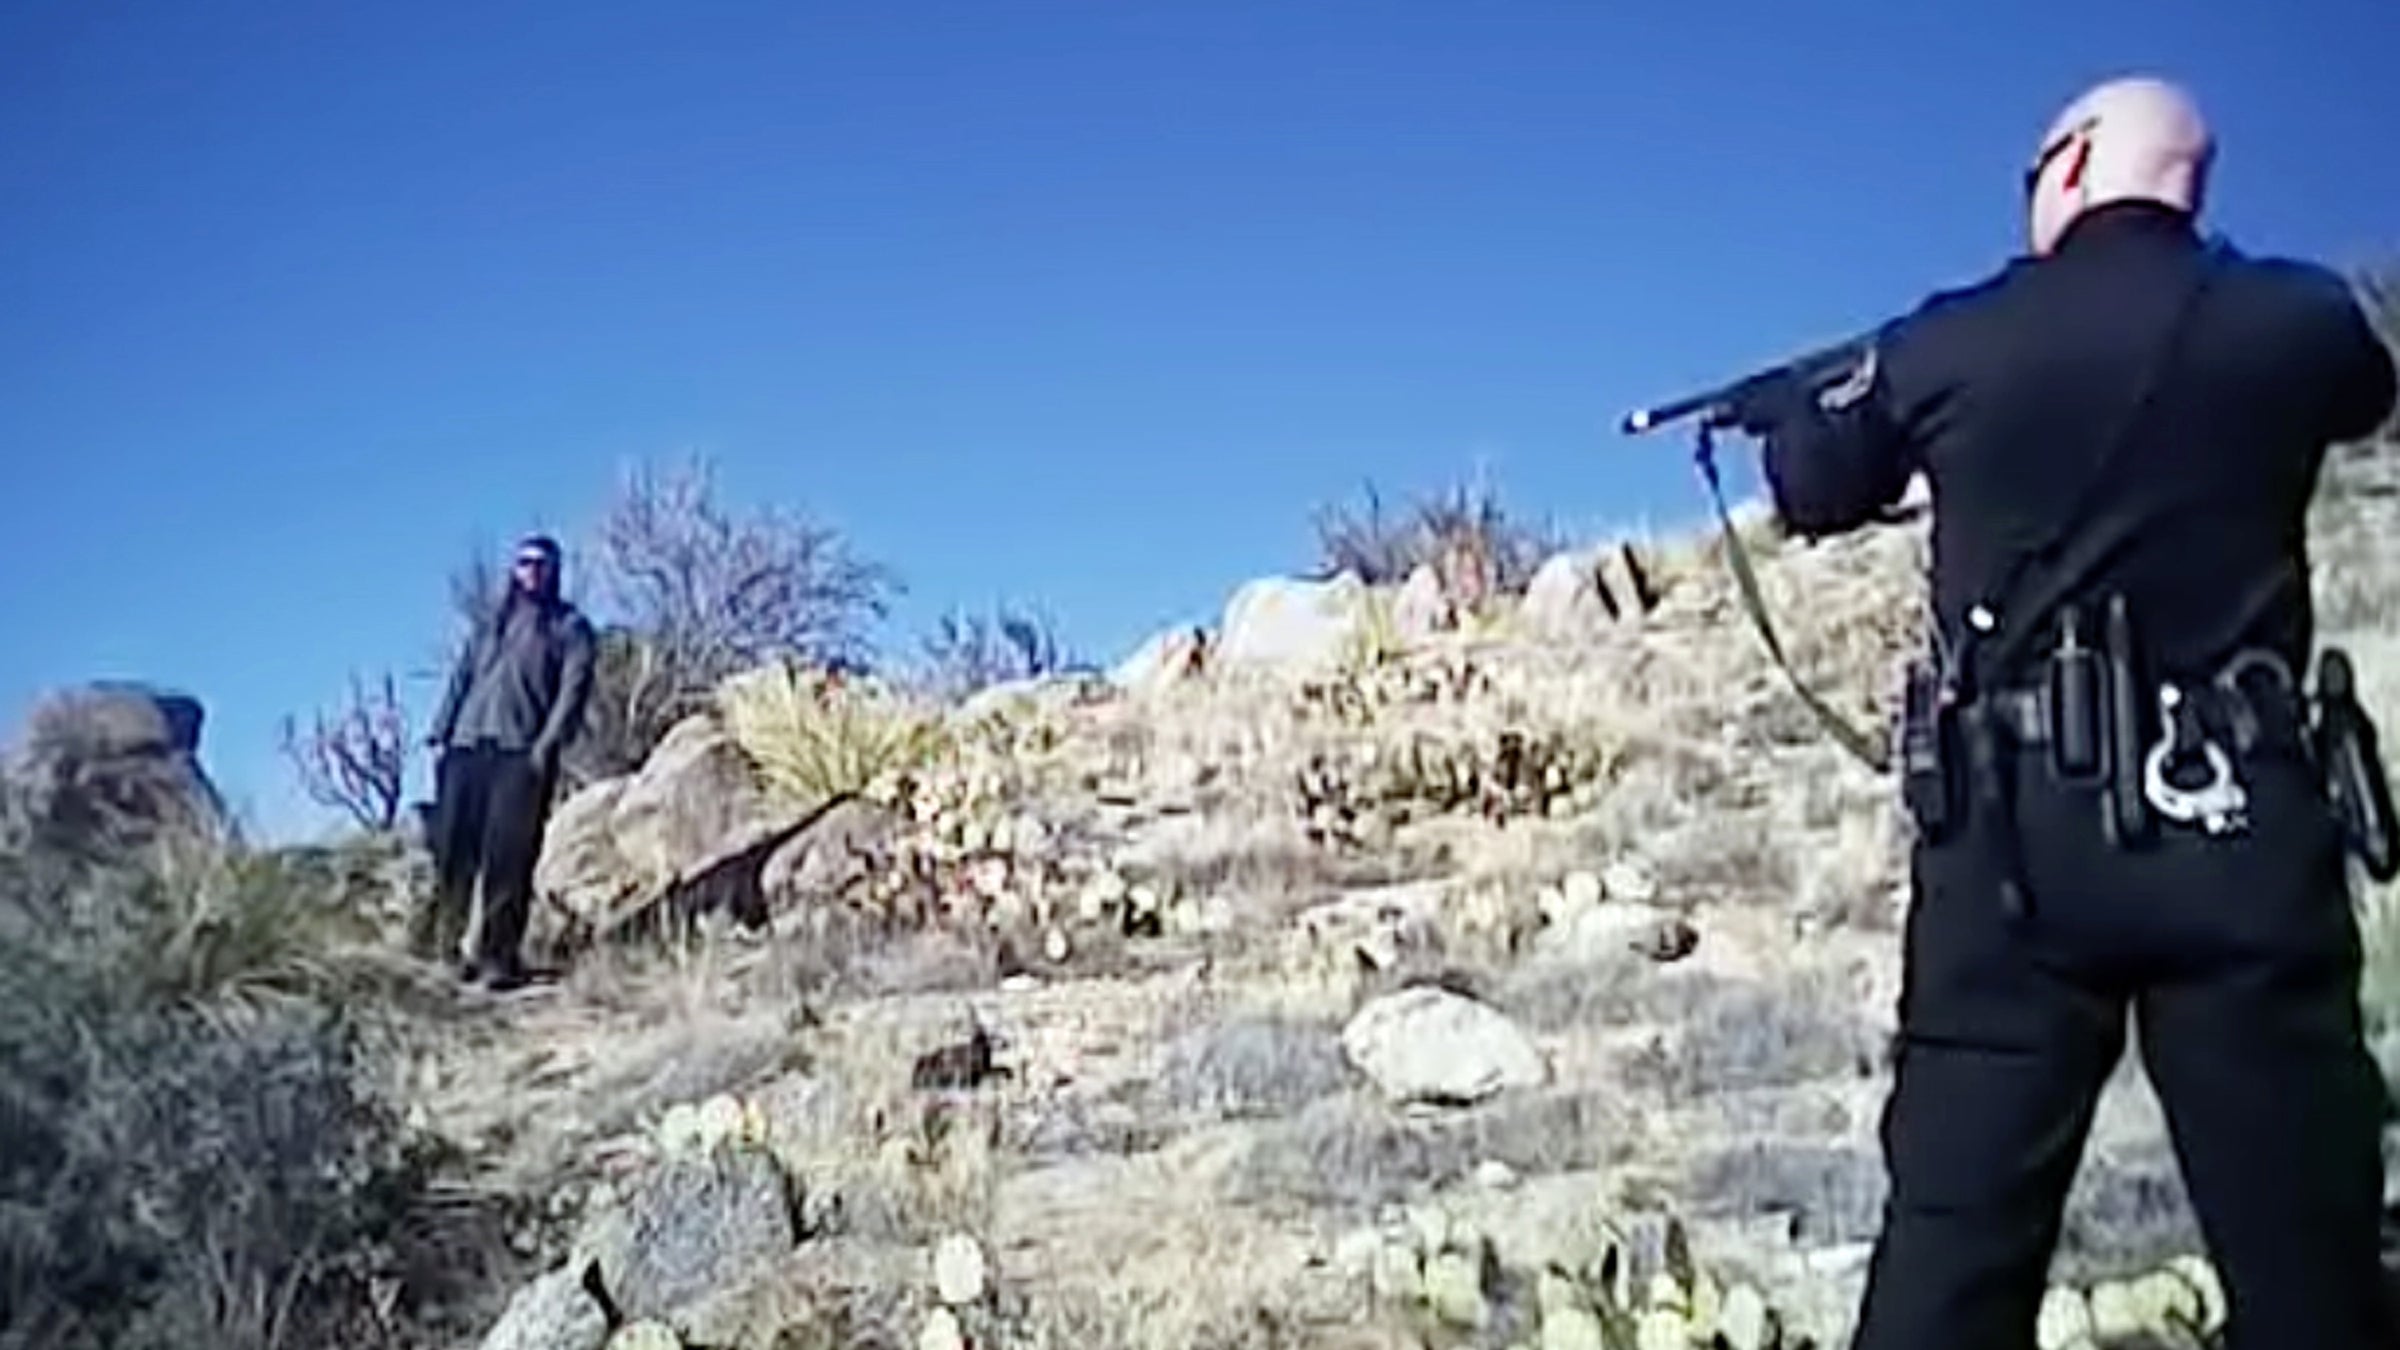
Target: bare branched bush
x,y
1477,549
355,758
698,594
969,652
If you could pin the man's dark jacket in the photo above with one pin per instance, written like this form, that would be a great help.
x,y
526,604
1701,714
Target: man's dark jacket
x,y
523,681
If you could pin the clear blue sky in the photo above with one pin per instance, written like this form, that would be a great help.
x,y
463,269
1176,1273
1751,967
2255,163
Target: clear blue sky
x,y
1086,304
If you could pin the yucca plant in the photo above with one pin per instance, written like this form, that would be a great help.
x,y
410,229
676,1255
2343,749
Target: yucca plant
x,y
237,928
813,736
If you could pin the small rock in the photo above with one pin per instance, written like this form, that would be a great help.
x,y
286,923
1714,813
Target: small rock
x,y
2167,1302
1662,1329
1572,1329
942,1332
1454,1290
552,1313
1630,881
1744,1321
2115,1314
1354,1253
645,1336
1562,601
1397,1273
1430,1225
1580,891
1555,1293
1421,609
959,1274
1495,1175
1608,930
2203,1278
2064,1319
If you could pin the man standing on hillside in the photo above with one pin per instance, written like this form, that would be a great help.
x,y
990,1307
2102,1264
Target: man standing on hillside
x,y
2119,809
514,701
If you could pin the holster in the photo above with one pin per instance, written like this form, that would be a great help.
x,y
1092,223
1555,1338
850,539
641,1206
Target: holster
x,y
1932,782
2347,753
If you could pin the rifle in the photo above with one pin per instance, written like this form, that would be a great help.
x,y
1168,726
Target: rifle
x,y
1814,370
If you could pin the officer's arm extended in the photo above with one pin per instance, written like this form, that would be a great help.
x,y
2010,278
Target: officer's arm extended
x,y
1834,461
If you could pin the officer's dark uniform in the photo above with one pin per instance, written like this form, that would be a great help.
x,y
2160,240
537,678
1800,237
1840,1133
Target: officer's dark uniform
x,y
2032,931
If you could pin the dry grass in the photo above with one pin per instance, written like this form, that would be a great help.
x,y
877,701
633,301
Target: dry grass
x,y
1751,1036
1253,1066
1613,993
1829,1193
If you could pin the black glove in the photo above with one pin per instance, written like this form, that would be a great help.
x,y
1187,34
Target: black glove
x,y
1759,406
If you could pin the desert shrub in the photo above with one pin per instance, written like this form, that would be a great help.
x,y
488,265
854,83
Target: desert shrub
x,y
194,1151
1348,1152
1253,1065
1755,1037
815,735
970,652
1465,535
1830,1194
1618,990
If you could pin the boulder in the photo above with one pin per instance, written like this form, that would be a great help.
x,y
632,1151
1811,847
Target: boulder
x,y
693,818
1284,624
831,857
1422,608
1426,1044
114,764
554,1312
690,1230
1167,659
580,873
695,801
1566,599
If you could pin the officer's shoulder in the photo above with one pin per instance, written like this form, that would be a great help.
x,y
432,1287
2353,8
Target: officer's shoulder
x,y
2301,281
1952,308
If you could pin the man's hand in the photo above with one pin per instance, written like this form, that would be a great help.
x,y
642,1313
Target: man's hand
x,y
545,755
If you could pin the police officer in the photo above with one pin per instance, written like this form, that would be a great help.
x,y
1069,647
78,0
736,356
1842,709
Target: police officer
x,y
2121,431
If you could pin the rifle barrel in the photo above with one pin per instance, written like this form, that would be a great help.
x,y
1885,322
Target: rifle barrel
x,y
1812,368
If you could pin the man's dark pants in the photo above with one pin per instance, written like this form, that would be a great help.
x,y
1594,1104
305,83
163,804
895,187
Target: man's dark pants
x,y
489,808
2238,959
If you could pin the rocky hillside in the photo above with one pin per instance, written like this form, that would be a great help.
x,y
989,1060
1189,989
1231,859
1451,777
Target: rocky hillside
x,y
1410,965
1375,969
